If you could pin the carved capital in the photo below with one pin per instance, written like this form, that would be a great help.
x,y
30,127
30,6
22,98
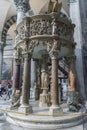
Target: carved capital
x,y
22,5
32,44
18,61
53,47
18,53
27,55
54,55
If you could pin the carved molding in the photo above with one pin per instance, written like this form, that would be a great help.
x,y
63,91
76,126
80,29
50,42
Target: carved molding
x,y
43,26
53,30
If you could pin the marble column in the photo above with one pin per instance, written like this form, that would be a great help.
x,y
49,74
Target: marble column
x,y
25,106
16,85
37,84
16,75
55,108
1,60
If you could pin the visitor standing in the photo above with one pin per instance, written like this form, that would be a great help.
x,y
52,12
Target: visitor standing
x,y
0,89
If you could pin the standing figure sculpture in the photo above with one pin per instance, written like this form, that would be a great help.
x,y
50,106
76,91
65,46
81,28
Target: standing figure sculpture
x,y
44,80
54,27
54,6
50,6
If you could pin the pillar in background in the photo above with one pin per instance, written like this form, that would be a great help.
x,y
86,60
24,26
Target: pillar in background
x,y
25,106
1,59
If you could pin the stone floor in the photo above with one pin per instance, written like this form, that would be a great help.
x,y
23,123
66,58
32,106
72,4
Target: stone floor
x,y
8,126
5,104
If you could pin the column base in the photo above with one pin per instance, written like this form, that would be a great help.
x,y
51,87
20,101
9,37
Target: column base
x,y
55,111
45,100
25,109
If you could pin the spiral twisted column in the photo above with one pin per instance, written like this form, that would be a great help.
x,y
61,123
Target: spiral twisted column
x,y
16,77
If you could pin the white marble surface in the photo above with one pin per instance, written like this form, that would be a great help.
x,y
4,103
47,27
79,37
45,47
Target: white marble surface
x,y
4,125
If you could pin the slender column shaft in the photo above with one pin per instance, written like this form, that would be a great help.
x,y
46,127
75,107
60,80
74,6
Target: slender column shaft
x,y
54,87
38,80
26,82
16,76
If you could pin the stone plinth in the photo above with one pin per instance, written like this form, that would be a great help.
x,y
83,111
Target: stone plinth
x,y
45,99
26,109
55,110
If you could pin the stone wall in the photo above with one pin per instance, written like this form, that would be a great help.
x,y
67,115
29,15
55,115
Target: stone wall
x,y
83,14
